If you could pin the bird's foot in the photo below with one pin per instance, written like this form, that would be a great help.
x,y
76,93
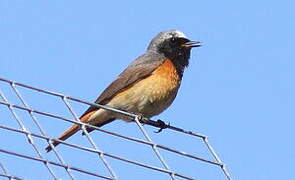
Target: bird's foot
x,y
161,125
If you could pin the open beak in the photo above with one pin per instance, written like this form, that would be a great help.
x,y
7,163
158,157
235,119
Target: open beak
x,y
191,44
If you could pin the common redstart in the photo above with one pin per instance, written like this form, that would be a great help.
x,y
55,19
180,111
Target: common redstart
x,y
146,87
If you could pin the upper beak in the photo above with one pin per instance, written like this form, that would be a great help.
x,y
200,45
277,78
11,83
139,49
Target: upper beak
x,y
191,44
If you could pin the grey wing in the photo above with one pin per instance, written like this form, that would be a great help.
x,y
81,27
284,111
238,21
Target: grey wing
x,y
142,67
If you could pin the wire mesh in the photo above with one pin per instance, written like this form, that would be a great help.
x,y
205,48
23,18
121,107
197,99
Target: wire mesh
x,y
38,137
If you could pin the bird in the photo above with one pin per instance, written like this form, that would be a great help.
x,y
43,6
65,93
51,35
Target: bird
x,y
146,87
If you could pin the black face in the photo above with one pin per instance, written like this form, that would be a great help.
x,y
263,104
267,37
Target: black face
x,y
174,49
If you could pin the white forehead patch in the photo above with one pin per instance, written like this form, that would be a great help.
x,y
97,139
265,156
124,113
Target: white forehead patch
x,y
162,36
176,33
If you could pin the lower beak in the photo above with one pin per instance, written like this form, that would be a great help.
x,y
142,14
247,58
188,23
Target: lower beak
x,y
191,44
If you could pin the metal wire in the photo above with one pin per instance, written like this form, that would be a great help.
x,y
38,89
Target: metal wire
x,y
54,163
5,174
10,177
42,131
97,151
101,154
154,146
29,137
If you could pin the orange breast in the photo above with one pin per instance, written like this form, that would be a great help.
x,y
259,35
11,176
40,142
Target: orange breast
x,y
151,95
163,83
167,75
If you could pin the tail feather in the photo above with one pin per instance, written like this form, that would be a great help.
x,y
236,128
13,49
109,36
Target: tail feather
x,y
68,133
71,131
89,129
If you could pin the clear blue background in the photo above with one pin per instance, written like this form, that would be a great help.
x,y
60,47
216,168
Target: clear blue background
x,y
238,89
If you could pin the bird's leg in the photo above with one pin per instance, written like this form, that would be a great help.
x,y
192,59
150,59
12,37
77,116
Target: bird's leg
x,y
161,125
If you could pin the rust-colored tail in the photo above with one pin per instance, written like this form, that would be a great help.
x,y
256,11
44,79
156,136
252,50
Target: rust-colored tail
x,y
71,131
68,133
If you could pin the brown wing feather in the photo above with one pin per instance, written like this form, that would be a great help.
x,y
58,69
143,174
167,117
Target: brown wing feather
x,y
139,69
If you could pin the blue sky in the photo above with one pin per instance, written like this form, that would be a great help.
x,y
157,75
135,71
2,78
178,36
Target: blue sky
x,y
238,89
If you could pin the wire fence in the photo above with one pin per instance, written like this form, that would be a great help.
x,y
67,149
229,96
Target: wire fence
x,y
58,165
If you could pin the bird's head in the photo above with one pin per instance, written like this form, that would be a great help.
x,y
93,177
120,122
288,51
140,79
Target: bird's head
x,y
174,45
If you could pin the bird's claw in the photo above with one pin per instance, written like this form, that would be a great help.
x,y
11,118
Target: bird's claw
x,y
162,125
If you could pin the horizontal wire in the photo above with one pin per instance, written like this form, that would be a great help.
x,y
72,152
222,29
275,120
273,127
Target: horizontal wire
x,y
83,128
113,133
145,121
6,174
154,147
39,127
54,163
29,138
100,106
10,177
96,151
